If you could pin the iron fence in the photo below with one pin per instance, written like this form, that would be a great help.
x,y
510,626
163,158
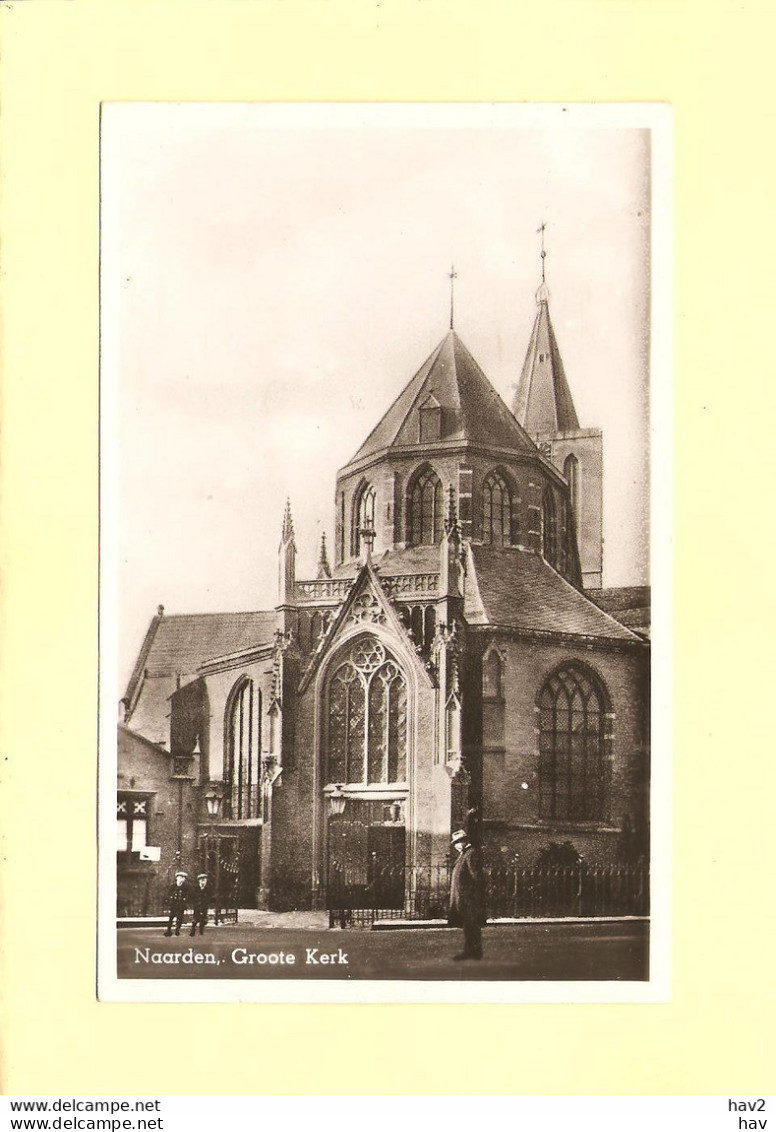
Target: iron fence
x,y
143,893
552,892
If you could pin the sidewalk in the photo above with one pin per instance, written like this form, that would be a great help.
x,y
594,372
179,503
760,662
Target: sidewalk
x,y
319,921
510,921
299,921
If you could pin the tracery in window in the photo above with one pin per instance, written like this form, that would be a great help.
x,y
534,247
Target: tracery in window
x,y
572,745
493,736
367,731
549,527
241,776
363,515
571,472
497,517
425,517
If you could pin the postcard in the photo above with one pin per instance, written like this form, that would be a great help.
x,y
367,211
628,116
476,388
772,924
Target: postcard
x,y
385,711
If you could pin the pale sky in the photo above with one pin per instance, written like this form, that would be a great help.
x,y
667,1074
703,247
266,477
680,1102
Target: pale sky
x,y
274,280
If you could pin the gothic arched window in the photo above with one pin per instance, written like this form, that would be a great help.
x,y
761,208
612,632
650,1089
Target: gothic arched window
x,y
424,510
363,515
493,736
367,733
497,511
573,706
241,772
549,527
493,677
571,472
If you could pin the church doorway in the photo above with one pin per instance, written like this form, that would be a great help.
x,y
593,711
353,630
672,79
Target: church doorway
x,y
366,855
232,859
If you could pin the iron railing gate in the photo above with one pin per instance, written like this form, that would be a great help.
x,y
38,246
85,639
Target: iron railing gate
x,y
143,891
552,892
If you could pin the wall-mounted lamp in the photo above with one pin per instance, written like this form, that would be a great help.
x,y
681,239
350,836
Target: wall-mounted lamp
x,y
213,802
271,769
337,800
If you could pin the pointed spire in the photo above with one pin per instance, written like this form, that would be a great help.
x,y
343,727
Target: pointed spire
x,y
288,524
324,569
287,559
543,401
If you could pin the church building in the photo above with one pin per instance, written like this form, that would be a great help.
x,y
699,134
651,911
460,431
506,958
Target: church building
x,y
454,652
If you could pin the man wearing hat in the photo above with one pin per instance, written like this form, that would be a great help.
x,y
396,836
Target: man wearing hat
x,y
178,899
467,896
200,901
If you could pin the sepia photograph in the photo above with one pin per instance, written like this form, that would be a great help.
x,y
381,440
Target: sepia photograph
x,y
377,550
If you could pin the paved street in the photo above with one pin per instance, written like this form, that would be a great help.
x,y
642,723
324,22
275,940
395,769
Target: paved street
x,y
560,951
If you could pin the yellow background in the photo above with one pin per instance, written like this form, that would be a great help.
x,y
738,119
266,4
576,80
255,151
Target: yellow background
x,y
714,62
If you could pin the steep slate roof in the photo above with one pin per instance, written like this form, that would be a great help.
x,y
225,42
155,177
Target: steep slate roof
x,y
519,590
629,604
543,400
471,407
413,560
179,644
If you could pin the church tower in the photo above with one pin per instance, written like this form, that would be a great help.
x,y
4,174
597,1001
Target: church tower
x,y
543,405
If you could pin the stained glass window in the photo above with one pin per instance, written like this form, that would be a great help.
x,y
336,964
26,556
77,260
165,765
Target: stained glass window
x,y
549,527
497,521
242,752
572,745
425,518
367,730
493,735
364,515
571,472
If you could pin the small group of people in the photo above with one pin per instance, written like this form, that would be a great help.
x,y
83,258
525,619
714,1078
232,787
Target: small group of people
x,y
467,897
181,896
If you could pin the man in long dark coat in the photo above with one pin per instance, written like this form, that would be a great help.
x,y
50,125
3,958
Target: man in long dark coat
x,y
201,902
178,898
467,896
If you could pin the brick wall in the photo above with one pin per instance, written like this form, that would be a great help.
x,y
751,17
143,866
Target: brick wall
x,y
511,804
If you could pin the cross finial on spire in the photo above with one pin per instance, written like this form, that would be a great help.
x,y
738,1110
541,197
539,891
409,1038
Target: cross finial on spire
x,y
452,277
542,295
540,231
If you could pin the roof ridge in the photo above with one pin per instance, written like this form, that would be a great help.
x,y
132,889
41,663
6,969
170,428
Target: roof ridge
x,y
217,613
